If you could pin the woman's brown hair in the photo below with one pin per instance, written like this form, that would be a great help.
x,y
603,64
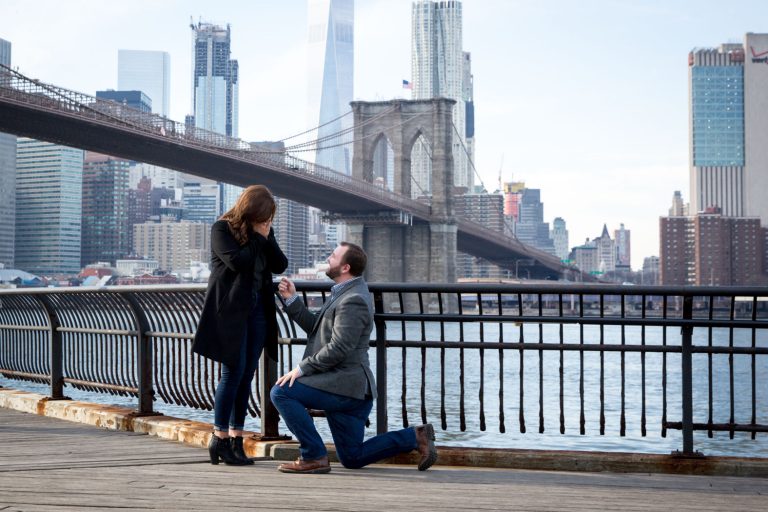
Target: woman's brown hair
x,y
255,204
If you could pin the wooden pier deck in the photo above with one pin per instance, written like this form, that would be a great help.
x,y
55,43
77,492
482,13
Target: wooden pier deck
x,y
48,464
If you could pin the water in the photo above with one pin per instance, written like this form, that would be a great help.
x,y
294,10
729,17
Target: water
x,y
504,375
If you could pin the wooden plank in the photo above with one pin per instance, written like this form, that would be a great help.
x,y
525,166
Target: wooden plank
x,y
49,464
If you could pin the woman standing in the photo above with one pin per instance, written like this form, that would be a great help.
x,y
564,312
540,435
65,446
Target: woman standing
x,y
238,318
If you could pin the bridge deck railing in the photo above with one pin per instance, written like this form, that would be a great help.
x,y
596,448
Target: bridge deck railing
x,y
470,355
16,86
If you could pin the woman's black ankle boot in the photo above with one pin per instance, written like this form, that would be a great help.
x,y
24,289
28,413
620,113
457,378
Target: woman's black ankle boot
x,y
237,449
220,449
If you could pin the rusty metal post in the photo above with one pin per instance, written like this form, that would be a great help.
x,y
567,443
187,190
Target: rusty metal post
x,y
56,349
687,377
145,360
381,364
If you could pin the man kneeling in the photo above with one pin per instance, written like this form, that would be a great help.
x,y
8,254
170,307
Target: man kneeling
x,y
335,375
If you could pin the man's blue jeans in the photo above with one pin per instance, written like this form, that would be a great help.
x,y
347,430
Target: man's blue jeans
x,y
346,416
230,403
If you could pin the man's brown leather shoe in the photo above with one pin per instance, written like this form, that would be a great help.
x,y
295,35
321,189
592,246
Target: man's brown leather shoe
x,y
306,466
425,436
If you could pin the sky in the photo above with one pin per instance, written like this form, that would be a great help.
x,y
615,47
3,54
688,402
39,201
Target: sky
x,y
585,100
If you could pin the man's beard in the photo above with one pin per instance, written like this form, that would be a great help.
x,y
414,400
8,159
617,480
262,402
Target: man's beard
x,y
333,272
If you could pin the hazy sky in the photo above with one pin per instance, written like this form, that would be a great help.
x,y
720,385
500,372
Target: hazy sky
x,y
586,100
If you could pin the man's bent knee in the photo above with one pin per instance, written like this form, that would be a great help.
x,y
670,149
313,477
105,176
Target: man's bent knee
x,y
276,393
349,461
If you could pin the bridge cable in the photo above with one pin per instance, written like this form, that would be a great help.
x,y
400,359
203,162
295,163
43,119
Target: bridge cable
x,y
316,127
504,218
340,133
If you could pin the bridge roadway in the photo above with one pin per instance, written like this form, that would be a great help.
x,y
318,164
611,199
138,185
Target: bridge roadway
x,y
49,464
30,108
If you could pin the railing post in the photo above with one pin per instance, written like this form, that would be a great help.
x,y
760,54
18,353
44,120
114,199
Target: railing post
x,y
144,358
687,376
56,350
381,364
269,415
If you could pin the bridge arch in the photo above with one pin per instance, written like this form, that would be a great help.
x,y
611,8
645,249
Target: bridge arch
x,y
403,122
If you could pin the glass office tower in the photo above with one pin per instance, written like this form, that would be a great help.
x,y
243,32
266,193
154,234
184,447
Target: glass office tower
x,y
330,59
728,89
7,181
49,181
105,234
148,72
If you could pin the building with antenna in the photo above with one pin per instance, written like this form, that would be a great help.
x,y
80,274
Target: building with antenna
x,y
214,80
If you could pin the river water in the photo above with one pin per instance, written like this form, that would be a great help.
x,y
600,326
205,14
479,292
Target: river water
x,y
501,383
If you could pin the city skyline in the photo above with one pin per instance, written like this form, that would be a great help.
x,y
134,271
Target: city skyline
x,y
587,102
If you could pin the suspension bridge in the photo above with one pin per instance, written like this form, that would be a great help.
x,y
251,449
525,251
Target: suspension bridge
x,y
429,232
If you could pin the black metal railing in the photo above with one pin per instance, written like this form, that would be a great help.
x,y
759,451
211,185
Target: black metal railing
x,y
601,358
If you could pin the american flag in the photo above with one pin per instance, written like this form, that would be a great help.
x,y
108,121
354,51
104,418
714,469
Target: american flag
x,y
407,84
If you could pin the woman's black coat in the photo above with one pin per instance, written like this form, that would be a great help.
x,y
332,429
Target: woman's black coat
x,y
229,296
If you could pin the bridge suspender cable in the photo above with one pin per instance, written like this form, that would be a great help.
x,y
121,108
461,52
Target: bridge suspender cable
x,y
316,127
480,179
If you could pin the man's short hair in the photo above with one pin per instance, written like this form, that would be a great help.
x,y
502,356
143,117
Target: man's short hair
x,y
355,257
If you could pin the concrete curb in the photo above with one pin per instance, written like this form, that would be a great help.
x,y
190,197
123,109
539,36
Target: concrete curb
x,y
198,433
195,433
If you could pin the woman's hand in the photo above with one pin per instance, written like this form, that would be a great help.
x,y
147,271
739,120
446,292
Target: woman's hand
x,y
262,228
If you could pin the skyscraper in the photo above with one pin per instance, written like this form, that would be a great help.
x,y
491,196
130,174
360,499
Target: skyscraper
x,y
215,80
438,70
530,227
488,211
49,181
728,128
105,209
201,202
291,224
330,59
606,251
559,236
7,181
678,209
148,72
468,95
5,52
623,246
215,90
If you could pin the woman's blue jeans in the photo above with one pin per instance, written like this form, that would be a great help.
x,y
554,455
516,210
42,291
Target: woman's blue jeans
x,y
234,388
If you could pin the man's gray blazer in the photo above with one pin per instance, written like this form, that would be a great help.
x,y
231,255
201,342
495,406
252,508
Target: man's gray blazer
x,y
336,358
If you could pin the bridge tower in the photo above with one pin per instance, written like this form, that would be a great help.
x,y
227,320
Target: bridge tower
x,y
400,249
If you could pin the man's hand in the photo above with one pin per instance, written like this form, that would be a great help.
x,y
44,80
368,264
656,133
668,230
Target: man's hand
x,y
286,288
289,377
